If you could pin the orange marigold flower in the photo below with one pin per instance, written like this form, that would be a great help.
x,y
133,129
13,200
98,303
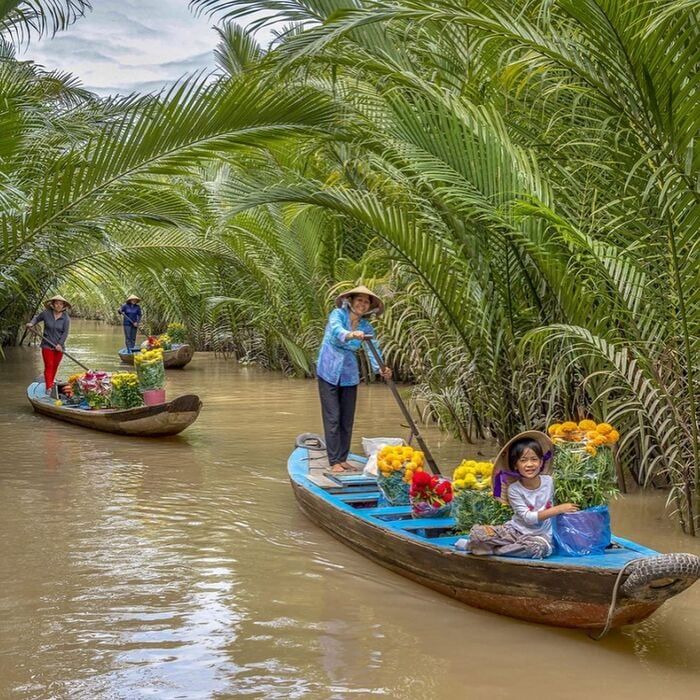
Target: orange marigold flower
x,y
554,429
587,424
568,426
604,428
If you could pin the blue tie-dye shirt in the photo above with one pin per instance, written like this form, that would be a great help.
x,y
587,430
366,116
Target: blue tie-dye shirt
x,y
337,362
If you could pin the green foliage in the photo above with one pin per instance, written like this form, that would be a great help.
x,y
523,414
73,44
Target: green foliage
x,y
584,479
470,507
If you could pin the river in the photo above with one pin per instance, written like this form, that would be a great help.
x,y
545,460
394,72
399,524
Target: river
x,y
182,568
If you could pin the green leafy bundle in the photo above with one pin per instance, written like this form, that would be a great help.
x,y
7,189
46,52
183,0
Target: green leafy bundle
x,y
394,488
471,507
582,478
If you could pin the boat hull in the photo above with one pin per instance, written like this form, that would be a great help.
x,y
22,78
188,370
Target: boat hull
x,y
172,359
161,420
559,591
535,593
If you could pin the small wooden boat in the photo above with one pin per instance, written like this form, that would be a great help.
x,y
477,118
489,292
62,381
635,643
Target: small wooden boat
x,y
176,358
163,419
624,585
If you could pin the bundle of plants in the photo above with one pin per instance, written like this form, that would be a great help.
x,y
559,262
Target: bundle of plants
x,y
395,469
72,390
177,333
430,496
125,390
96,389
584,474
473,502
149,369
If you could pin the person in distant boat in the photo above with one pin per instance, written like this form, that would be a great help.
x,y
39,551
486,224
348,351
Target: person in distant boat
x,y
53,340
520,469
131,311
338,371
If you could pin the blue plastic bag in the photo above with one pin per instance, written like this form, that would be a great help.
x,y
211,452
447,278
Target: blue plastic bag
x,y
584,532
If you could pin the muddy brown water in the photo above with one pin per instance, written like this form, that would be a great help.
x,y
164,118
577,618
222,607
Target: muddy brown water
x,y
182,568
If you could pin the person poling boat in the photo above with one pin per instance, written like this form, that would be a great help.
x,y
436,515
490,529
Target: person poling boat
x,y
131,311
338,372
55,333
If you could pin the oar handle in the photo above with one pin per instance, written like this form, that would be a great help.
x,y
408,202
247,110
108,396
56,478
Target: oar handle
x,y
70,357
394,390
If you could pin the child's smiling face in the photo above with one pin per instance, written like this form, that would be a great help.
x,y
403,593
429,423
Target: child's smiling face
x,y
528,464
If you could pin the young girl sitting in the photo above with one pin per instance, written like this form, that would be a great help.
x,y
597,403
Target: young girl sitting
x,y
530,493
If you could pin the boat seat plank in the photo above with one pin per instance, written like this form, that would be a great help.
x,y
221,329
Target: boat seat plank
x,y
421,524
357,496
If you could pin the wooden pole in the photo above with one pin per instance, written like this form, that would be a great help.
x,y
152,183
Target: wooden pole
x,y
394,390
77,362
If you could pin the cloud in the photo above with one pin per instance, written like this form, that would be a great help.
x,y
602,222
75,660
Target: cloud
x,y
130,44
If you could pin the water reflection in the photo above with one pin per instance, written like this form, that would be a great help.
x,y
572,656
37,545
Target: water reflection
x,y
182,567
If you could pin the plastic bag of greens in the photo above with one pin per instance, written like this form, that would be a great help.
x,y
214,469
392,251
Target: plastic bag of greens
x,y
394,488
584,532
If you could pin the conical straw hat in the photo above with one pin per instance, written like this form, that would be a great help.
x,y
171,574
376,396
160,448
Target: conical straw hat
x,y
133,296
58,297
376,305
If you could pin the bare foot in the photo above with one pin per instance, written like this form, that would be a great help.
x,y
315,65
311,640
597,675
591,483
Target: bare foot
x,y
349,467
337,468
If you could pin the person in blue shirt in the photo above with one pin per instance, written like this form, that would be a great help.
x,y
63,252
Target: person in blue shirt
x,y
338,371
131,311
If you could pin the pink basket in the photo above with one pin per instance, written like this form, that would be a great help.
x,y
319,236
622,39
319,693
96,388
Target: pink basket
x,y
152,397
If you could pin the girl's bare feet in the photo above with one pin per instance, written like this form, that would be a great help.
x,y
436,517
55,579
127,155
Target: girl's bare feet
x,y
337,468
349,467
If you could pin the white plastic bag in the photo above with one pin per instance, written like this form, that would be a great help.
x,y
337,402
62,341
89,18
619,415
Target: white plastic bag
x,y
371,446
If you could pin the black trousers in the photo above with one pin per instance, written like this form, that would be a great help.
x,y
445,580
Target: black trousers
x,y
338,411
130,332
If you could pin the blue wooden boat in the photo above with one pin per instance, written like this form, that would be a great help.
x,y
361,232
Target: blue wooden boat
x,y
175,358
145,421
623,586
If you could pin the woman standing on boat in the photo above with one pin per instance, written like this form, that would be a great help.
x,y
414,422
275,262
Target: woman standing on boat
x,y
338,371
131,311
56,326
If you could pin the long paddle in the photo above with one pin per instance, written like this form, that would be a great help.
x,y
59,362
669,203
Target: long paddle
x,y
70,357
404,410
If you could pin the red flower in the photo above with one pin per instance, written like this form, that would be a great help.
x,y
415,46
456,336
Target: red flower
x,y
448,497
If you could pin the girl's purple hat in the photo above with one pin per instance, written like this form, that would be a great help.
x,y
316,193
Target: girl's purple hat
x,y
502,476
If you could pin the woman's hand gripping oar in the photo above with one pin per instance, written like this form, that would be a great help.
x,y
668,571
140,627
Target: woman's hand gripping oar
x,y
402,406
70,357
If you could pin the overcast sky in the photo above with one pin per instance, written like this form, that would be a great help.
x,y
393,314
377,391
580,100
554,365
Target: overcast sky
x,y
130,45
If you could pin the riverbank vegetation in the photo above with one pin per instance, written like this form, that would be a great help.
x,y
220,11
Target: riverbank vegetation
x,y
518,179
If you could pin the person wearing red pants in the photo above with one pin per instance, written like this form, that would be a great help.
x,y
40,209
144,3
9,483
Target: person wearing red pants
x,y
56,326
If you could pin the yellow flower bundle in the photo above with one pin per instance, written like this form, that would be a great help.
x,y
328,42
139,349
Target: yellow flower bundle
x,y
590,434
124,379
400,459
146,357
470,474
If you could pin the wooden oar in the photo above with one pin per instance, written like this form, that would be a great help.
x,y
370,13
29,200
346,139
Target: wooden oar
x,y
414,428
70,357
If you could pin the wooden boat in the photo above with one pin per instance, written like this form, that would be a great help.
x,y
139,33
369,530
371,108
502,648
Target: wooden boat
x,y
163,419
624,585
176,358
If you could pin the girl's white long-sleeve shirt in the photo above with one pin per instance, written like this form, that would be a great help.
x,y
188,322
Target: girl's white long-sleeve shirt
x,y
527,503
